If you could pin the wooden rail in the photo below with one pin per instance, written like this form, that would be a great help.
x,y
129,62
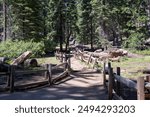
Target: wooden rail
x,y
87,57
115,81
49,80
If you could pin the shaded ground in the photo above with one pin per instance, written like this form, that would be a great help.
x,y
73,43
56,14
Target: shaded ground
x,y
86,84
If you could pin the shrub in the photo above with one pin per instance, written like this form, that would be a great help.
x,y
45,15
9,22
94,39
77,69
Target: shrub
x,y
49,45
13,49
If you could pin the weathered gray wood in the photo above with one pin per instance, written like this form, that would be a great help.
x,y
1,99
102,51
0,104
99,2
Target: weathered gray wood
x,y
110,84
118,83
31,85
50,74
127,82
104,74
59,65
22,58
140,89
8,77
69,63
95,62
24,72
46,71
89,60
12,77
60,77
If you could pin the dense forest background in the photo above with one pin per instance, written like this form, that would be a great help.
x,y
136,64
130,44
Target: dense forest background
x,y
41,25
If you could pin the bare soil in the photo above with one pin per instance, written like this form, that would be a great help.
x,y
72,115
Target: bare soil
x,y
84,84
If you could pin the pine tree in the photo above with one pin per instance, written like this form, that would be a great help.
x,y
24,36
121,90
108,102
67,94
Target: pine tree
x,y
62,17
85,22
27,19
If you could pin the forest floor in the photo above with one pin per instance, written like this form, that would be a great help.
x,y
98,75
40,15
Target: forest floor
x,y
83,84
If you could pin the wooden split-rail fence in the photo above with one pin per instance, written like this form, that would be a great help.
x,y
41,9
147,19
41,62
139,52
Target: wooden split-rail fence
x,y
48,76
115,82
87,57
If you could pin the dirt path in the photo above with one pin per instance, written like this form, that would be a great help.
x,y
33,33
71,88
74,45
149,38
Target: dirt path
x,y
86,84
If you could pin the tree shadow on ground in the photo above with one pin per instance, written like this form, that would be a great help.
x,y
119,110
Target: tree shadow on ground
x,y
59,93
64,90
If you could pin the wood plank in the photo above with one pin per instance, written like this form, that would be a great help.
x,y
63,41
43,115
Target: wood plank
x,y
125,81
57,66
60,77
24,72
31,85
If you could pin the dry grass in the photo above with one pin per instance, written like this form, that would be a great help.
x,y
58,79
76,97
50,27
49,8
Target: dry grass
x,y
48,60
132,67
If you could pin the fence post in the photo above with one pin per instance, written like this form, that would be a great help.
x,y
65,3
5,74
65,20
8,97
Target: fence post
x,y
69,62
50,74
118,83
8,77
46,73
110,84
140,88
12,75
109,66
61,57
148,78
104,74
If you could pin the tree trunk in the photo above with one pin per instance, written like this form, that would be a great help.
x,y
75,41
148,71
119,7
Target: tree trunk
x,y
5,20
91,36
61,28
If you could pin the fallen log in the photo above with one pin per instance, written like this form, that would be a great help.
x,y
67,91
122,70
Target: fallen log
x,y
22,58
31,63
145,71
117,59
119,52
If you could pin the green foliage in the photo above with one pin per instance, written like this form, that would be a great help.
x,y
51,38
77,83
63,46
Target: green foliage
x,y
13,49
49,45
27,19
143,52
84,21
135,40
